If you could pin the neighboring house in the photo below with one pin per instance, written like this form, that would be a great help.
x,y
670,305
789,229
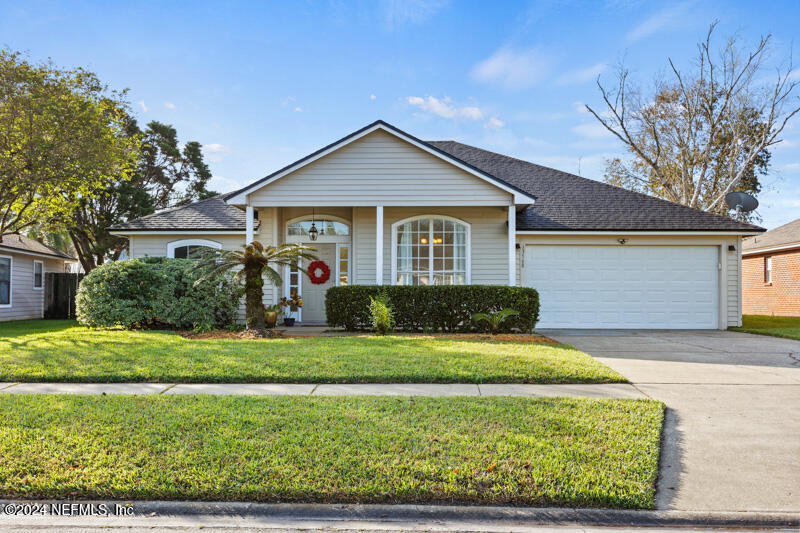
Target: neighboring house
x,y
771,272
23,265
394,209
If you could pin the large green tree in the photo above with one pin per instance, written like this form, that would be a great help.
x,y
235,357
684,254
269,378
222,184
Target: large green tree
x,y
165,175
62,138
704,132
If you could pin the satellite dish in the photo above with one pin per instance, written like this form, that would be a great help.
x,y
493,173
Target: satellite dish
x,y
741,202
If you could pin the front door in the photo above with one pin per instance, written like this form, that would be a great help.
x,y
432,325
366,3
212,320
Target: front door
x,y
313,294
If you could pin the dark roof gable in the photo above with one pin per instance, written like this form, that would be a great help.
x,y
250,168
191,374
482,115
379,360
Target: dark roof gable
x,y
205,215
571,203
21,243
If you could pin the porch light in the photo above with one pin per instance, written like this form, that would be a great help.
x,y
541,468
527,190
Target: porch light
x,y
313,231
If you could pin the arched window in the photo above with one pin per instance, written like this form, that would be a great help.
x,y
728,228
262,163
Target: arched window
x,y
431,250
188,248
325,225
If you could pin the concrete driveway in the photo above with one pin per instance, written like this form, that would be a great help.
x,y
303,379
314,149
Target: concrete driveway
x,y
732,435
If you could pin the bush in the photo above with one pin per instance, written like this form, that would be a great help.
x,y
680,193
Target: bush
x,y
447,308
381,314
155,293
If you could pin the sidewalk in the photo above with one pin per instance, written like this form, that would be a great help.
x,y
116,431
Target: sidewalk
x,y
606,390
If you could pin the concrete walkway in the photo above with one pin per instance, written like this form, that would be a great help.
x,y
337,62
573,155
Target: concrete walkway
x,y
611,390
732,434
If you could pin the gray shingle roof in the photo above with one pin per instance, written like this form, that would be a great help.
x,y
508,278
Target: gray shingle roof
x,y
204,215
563,202
24,244
785,235
571,203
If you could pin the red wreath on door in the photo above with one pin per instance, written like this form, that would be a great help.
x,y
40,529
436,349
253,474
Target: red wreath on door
x,y
323,276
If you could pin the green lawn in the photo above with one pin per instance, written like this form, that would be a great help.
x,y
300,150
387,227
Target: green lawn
x,y
554,451
777,326
63,351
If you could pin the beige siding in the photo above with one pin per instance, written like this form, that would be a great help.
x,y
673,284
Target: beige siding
x,y
488,236
730,265
734,282
380,168
26,302
156,245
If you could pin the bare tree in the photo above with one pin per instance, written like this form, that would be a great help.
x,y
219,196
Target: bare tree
x,y
701,134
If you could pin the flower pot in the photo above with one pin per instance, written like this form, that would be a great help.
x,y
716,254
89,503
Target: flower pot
x,y
288,322
270,319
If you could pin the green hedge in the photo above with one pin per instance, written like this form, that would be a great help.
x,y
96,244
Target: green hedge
x,y
446,308
155,293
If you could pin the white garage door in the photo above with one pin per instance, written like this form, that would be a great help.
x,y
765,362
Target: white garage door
x,y
649,287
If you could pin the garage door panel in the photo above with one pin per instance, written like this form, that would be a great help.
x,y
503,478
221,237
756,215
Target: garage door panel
x,y
625,286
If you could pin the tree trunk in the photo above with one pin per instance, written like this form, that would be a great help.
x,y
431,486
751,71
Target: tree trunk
x,y
254,292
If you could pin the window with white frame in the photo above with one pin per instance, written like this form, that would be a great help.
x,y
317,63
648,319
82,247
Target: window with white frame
x,y
5,281
190,248
38,275
431,250
768,270
343,263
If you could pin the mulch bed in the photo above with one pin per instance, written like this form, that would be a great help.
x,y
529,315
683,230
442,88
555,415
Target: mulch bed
x,y
279,333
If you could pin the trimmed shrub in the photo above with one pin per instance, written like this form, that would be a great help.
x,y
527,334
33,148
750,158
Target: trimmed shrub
x,y
447,308
155,293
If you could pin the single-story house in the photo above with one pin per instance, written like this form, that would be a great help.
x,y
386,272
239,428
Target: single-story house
x,y
393,209
23,265
771,272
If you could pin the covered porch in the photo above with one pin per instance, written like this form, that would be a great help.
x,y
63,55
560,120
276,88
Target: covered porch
x,y
387,244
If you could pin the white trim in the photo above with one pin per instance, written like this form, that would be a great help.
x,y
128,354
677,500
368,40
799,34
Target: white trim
x,y
519,197
275,224
773,249
183,232
322,202
393,281
632,232
379,245
10,281
190,242
35,261
512,246
248,221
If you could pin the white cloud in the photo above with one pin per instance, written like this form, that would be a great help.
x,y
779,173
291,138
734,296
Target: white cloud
x,y
372,97
214,152
592,130
401,12
660,20
581,75
514,69
169,105
288,100
298,109
143,106
222,184
494,123
444,108
579,107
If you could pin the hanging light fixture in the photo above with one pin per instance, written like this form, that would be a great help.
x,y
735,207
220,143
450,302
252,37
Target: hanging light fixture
x,y
312,231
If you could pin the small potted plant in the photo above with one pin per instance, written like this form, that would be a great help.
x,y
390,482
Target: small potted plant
x,y
294,302
271,315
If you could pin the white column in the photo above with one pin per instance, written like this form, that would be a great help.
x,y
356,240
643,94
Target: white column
x,y
512,245
379,245
249,224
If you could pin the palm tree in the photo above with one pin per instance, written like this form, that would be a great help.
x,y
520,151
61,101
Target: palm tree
x,y
252,264
495,320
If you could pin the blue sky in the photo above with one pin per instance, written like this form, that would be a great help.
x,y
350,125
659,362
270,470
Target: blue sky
x,y
262,84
